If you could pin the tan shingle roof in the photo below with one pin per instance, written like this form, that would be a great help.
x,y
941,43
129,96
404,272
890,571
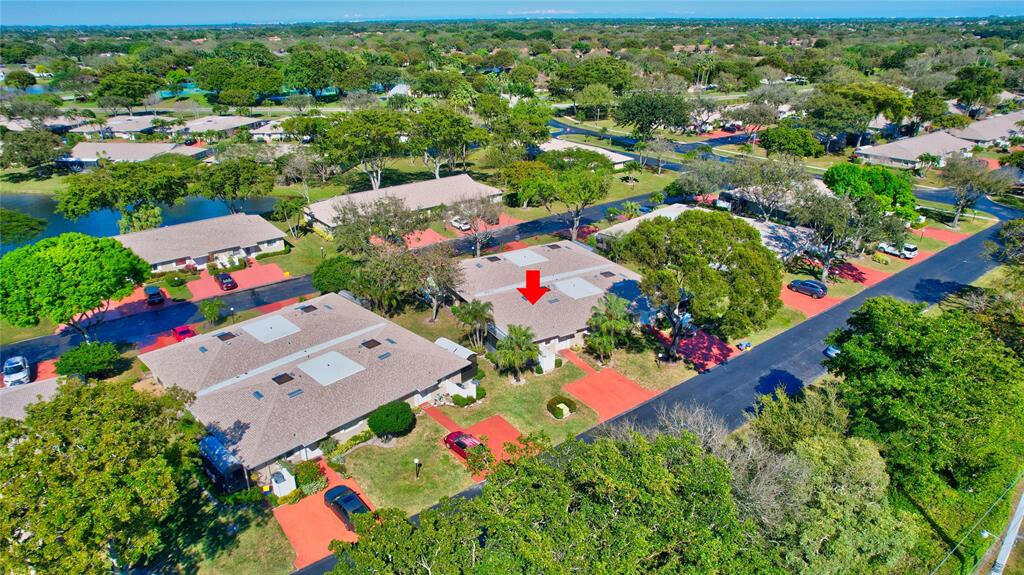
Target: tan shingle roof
x,y
554,144
992,128
416,195
199,238
13,400
557,313
260,419
219,123
120,124
910,149
128,151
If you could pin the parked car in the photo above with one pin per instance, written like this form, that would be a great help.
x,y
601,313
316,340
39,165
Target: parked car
x,y
154,295
345,503
832,351
183,332
17,371
908,252
813,288
460,224
461,443
225,281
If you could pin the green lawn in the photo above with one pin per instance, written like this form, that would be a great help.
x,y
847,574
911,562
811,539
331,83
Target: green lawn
x,y
387,475
816,165
400,171
417,320
10,334
21,181
971,221
639,366
609,125
992,278
783,319
306,253
259,548
524,406
647,182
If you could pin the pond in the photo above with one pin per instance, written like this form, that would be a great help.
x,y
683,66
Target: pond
x,y
104,222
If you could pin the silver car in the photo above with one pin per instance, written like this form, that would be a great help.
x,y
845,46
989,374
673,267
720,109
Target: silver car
x,y
460,224
17,371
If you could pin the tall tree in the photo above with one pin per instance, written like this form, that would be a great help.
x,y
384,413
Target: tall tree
x,y
368,138
31,148
128,88
358,226
387,277
232,180
754,116
482,215
645,112
514,352
440,275
770,185
475,315
441,135
133,454
575,189
67,279
594,101
832,220
971,180
975,85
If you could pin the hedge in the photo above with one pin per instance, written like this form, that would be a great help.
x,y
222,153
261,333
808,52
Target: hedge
x,y
393,419
553,405
264,255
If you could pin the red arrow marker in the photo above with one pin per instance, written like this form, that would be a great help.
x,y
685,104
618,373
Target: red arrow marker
x,y
533,290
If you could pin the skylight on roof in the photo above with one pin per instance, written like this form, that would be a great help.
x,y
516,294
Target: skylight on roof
x,y
523,258
554,247
330,367
578,288
607,274
493,259
307,308
295,392
389,340
270,328
282,378
384,355
257,395
370,343
226,336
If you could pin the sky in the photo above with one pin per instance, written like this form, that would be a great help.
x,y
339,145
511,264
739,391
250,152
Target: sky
x,y
164,12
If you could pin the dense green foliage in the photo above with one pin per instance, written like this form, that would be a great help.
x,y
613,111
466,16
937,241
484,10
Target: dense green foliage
x,y
794,141
93,477
334,274
17,227
89,359
392,419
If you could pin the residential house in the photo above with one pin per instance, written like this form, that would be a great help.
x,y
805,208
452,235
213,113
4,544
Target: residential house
x,y
195,244
222,126
578,279
89,154
905,153
421,195
993,130
274,386
556,145
272,131
58,125
121,127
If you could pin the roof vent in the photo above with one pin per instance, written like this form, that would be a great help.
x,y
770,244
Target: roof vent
x,y
479,266
226,336
553,300
389,340
370,343
282,378
307,308
493,259
202,349
384,355
554,247
295,392
257,395
608,274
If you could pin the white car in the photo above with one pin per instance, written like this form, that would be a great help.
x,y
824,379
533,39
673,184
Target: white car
x,y
460,224
17,371
908,252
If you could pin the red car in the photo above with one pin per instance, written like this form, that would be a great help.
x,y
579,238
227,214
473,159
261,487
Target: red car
x,y
461,442
181,333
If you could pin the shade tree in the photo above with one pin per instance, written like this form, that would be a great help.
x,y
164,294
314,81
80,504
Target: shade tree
x,y
369,139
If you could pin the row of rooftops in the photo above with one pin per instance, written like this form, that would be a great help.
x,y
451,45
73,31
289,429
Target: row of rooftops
x,y
944,142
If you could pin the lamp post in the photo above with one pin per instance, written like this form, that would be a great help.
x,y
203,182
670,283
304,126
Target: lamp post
x,y
321,252
416,464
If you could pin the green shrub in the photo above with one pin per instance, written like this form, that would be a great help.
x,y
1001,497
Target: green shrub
x,y
393,419
463,400
293,497
480,375
334,274
89,359
311,488
361,437
328,445
553,405
211,309
480,392
307,473
879,257
538,369
337,463
264,255
246,496
558,362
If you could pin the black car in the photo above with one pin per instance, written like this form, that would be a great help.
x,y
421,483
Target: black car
x,y
813,288
225,281
345,502
154,295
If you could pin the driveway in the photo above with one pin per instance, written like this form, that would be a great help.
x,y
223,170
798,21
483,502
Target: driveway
x,y
255,275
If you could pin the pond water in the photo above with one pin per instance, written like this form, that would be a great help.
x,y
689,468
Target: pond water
x,y
104,222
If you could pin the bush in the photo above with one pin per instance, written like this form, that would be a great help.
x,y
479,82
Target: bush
x,y
246,496
480,392
879,257
553,405
361,437
264,255
463,400
292,497
337,463
480,375
794,141
558,362
393,419
328,445
307,473
211,308
311,488
334,274
175,280
89,359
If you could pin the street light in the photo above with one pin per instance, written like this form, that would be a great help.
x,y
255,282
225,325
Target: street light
x,y
321,252
416,463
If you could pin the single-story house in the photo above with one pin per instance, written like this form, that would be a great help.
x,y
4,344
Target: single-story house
x,y
223,126
781,239
58,125
89,154
274,386
993,130
196,244
400,90
577,277
421,195
555,145
269,132
123,127
905,153
744,200
14,399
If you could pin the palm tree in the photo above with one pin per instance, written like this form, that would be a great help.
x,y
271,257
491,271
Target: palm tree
x,y
475,315
928,161
630,209
515,351
610,325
